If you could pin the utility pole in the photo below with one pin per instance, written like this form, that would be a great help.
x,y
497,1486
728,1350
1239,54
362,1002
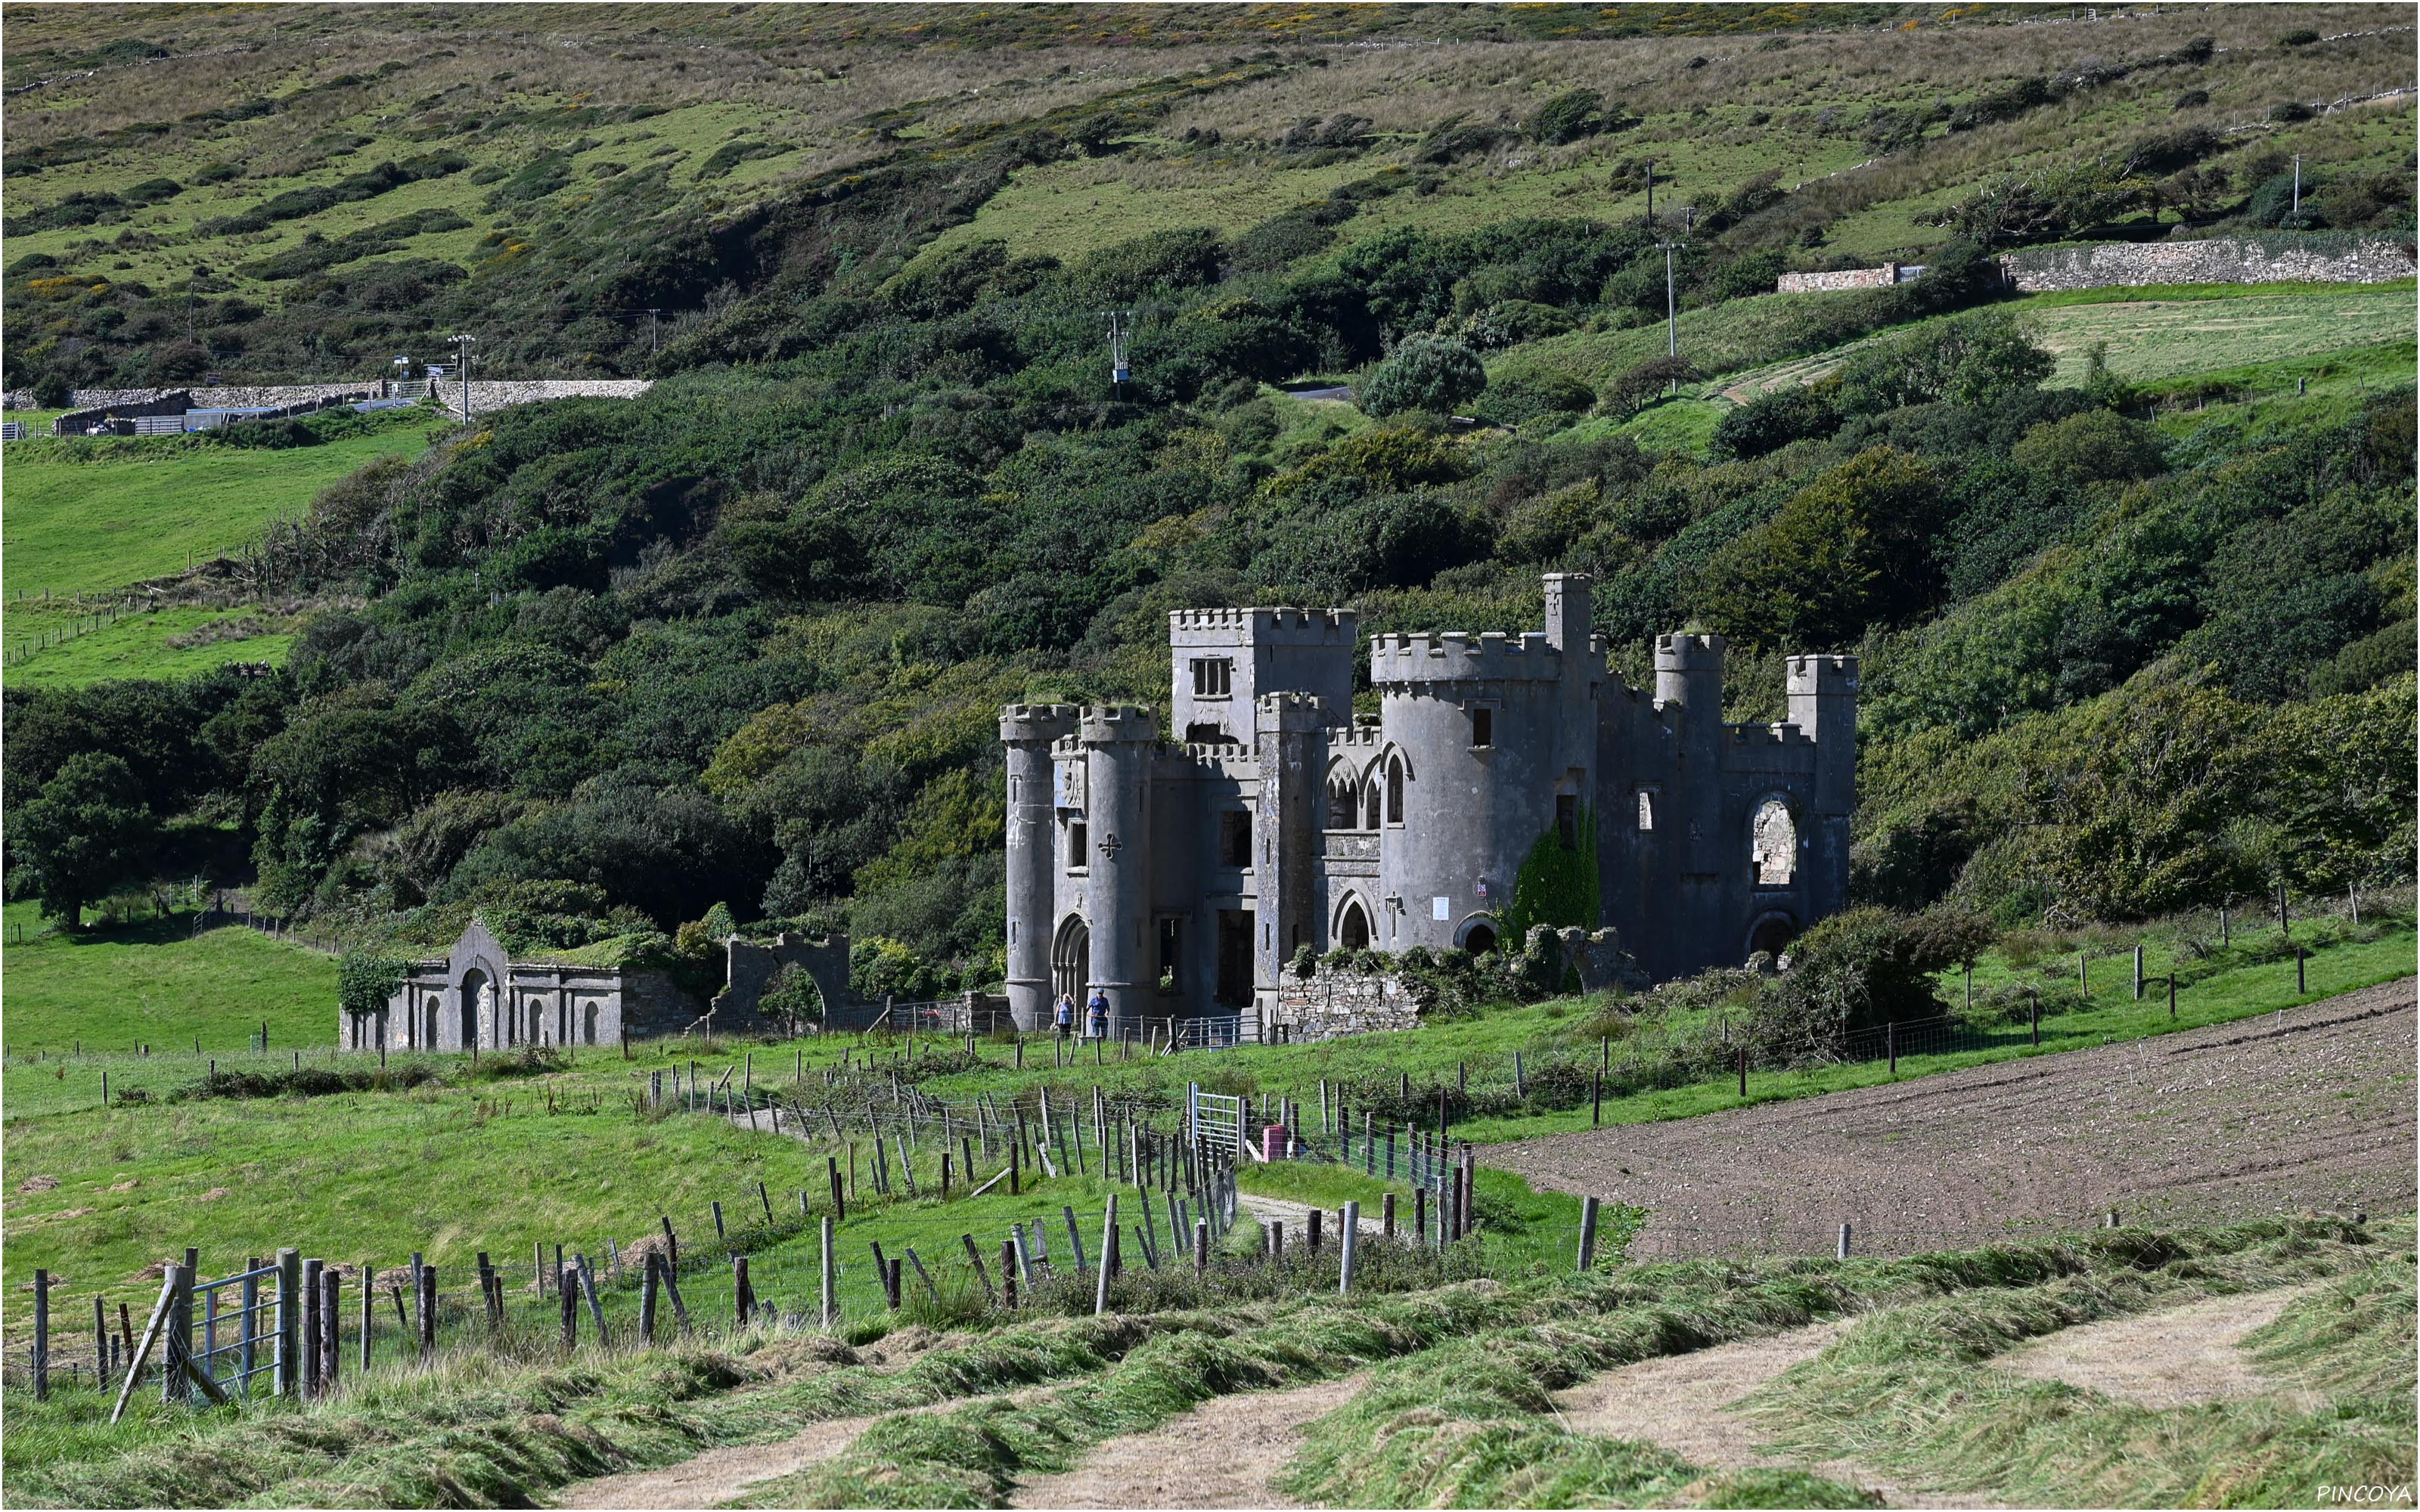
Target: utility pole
x,y
1120,331
462,344
2298,183
1671,298
651,332
1650,191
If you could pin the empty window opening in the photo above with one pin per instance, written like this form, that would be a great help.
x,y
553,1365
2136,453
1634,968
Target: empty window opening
x,y
1344,803
1170,938
1482,727
1235,838
1369,805
1353,930
1646,811
1214,677
1567,820
1200,733
1772,840
1075,845
1481,939
1394,793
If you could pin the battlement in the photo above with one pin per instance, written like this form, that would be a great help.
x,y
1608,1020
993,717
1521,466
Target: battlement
x,y
1681,651
1359,736
1290,712
1216,760
1115,723
1456,656
1037,721
1827,674
1261,626
1768,734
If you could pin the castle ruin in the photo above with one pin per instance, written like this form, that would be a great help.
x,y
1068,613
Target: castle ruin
x,y
1178,871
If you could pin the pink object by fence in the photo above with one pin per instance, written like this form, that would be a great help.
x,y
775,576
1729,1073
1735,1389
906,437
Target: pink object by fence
x,y
1273,1142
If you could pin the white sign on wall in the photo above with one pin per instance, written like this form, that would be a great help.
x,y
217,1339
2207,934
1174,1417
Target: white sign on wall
x,y
1441,908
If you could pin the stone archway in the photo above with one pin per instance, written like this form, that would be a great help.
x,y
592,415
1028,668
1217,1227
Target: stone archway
x,y
1071,961
1772,935
474,993
1773,843
1351,927
1477,934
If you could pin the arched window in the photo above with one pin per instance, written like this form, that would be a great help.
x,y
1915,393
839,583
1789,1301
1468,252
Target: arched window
x,y
1353,929
1343,802
428,1024
1395,790
1773,844
589,1025
1370,806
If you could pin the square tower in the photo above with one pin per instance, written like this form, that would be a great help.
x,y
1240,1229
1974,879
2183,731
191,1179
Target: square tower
x,y
1223,660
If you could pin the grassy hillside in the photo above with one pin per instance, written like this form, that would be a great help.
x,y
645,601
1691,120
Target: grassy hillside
x,y
158,984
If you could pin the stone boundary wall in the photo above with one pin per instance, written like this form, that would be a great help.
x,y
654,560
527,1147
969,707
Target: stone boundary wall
x,y
2226,260
1881,277
1338,1002
496,393
486,393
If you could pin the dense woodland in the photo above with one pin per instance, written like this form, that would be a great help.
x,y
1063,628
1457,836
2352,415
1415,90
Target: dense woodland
x,y
622,673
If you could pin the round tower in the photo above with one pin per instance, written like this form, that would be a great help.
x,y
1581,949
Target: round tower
x,y
1027,731
1121,744
1490,742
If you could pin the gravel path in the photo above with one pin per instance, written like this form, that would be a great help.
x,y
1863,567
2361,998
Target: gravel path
x,y
717,1475
2309,1108
2182,1357
1224,1453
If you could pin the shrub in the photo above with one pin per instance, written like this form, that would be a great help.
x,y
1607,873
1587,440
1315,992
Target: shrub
x,y
1772,421
1526,396
1426,373
1570,117
2096,446
1635,388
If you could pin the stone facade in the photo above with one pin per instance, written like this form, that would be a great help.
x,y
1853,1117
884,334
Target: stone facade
x,y
2282,259
1337,1001
478,995
1276,819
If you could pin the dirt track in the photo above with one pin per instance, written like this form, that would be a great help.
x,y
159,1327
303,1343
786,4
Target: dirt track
x,y
2311,1108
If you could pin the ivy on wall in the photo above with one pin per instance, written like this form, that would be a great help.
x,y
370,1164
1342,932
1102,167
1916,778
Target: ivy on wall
x,y
1558,884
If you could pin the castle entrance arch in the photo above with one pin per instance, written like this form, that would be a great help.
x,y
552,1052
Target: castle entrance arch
x,y
1477,934
1772,934
1773,844
1071,961
475,992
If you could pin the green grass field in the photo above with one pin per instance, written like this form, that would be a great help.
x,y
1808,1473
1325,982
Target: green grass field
x,y
157,983
91,650
2165,332
140,510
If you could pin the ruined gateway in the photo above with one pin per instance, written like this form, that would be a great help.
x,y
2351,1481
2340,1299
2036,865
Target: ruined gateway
x,y
1178,871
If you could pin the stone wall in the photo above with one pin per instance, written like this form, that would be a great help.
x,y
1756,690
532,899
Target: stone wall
x,y
496,393
1339,1001
1888,274
2279,259
750,968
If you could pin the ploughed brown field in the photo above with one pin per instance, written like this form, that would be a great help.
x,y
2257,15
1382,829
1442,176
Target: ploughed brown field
x,y
2311,1108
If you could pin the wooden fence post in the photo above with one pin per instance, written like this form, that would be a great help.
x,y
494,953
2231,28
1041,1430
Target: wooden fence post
x,y
289,1378
1008,1273
1386,1216
1201,1247
1587,1232
743,1296
649,1282
100,1341
1108,1247
332,1329
596,1308
136,1354
1349,1242
2138,973
427,1312
566,1290
369,1310
1890,1047
308,1301
975,1256
41,1335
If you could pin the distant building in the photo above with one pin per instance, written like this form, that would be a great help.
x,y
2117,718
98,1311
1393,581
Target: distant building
x,y
1265,818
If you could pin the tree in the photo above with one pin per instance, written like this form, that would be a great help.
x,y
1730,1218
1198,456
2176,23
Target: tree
x,y
1634,388
1850,549
1426,373
86,831
793,999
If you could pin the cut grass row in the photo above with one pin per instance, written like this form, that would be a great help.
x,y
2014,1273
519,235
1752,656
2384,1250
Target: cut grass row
x,y
1464,1374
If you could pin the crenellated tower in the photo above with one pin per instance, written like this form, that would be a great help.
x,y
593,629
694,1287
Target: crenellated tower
x,y
1029,731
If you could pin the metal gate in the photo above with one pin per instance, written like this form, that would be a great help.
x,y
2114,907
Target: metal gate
x,y
1215,1123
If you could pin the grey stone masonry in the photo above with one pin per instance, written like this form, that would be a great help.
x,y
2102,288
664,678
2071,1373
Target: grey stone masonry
x,y
1337,1001
2280,259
